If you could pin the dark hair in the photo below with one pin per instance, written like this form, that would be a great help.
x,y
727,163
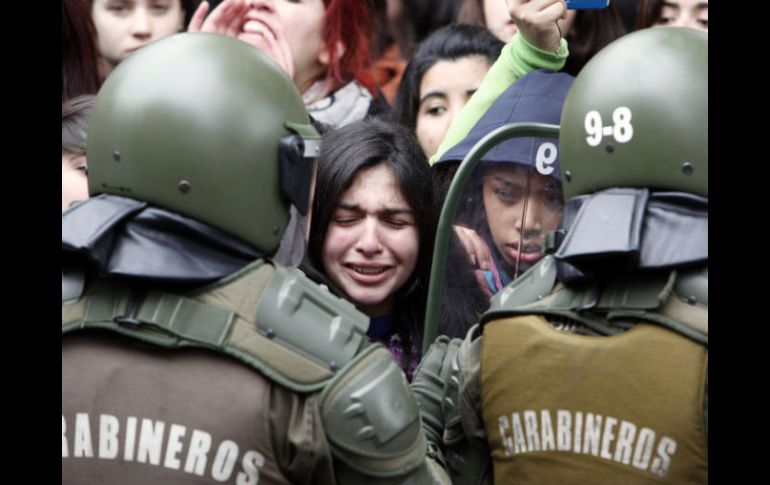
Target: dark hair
x,y
75,114
452,42
79,54
591,31
189,7
345,152
648,13
462,301
627,10
417,20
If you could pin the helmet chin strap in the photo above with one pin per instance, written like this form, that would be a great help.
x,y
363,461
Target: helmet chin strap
x,y
293,244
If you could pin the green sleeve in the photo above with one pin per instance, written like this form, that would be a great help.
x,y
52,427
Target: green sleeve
x,y
517,58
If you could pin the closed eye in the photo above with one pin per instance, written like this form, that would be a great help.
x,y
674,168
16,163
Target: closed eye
x,y
396,223
161,9
345,221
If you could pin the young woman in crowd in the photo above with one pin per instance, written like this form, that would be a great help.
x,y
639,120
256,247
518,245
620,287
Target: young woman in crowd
x,y
511,202
473,275
373,228
443,74
123,26
322,44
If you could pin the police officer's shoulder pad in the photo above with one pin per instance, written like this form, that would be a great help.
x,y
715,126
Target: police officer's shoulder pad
x,y
299,335
371,417
305,317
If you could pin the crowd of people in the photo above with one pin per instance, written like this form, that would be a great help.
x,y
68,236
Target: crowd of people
x,y
251,192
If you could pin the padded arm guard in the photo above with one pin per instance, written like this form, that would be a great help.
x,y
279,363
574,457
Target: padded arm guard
x,y
373,426
429,385
437,387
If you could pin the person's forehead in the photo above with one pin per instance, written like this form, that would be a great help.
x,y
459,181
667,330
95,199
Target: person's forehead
x,y
503,170
516,173
461,73
687,4
375,178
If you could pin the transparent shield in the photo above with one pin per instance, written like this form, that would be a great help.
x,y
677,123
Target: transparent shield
x,y
507,206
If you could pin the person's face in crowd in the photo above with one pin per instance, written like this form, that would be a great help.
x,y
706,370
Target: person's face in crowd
x,y
124,26
684,13
74,184
295,24
515,233
444,90
499,21
372,242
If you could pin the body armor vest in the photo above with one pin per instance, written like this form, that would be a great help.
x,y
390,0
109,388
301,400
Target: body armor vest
x,y
624,405
162,385
561,408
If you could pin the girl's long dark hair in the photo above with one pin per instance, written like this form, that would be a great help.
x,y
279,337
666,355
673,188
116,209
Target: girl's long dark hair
x,y
592,31
648,13
344,153
462,301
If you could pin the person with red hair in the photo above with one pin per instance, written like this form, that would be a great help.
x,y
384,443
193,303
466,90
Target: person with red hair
x,y
322,44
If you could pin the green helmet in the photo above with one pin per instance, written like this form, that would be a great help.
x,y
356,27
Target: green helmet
x,y
637,116
208,127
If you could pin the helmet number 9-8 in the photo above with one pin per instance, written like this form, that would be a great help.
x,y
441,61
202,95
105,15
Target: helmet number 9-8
x,y
621,130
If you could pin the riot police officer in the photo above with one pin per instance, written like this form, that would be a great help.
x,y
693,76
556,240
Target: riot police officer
x,y
192,351
592,366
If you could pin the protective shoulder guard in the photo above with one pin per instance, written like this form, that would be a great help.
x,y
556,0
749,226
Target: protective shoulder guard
x,y
689,302
307,318
272,318
372,420
693,286
675,298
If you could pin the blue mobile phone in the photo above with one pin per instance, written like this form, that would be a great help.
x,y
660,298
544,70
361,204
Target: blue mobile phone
x,y
587,4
